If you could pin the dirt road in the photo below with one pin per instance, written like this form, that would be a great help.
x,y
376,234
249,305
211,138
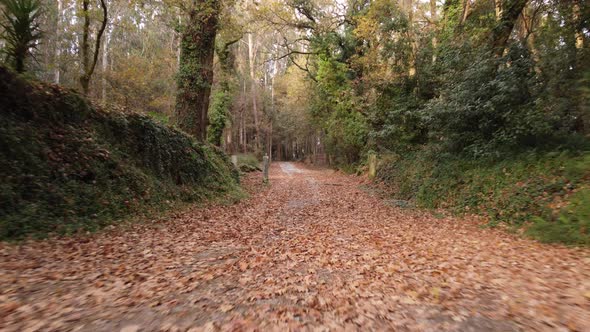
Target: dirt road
x,y
312,251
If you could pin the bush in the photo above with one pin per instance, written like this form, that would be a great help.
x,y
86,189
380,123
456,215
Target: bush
x,y
570,226
248,163
515,190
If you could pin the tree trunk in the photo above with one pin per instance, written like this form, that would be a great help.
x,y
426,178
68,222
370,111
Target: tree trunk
x,y
105,66
434,19
253,90
467,11
408,7
511,9
85,47
498,9
195,73
88,66
56,61
226,64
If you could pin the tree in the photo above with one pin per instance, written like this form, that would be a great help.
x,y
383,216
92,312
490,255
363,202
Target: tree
x,y
222,99
87,64
21,30
507,13
195,72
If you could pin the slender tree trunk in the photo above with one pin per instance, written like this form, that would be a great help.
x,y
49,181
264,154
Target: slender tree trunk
x,y
408,6
467,11
179,41
196,68
528,34
272,105
242,129
252,62
105,66
88,64
85,47
498,9
434,19
511,9
57,60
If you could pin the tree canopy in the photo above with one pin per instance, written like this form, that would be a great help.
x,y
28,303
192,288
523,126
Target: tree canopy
x,y
477,78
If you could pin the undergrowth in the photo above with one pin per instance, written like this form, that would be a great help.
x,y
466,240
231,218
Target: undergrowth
x,y
66,166
546,193
248,162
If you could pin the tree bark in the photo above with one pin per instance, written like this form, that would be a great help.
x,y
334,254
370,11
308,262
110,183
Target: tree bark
x,y
105,66
57,71
253,90
409,9
511,9
195,75
226,64
466,11
433,19
498,9
88,66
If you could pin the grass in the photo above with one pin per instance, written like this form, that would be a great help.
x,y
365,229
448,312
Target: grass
x,y
248,162
546,193
570,226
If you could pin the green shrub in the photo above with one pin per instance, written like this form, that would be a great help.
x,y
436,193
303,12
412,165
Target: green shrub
x,y
515,191
570,226
248,162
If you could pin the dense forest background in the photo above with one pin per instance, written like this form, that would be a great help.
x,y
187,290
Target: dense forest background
x,y
478,78
467,103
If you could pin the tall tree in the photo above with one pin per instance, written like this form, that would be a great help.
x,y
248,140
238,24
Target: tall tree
x,y
252,48
195,73
509,12
219,114
57,70
89,65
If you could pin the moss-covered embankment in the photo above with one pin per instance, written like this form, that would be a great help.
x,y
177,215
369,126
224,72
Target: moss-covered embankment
x,y
546,193
66,165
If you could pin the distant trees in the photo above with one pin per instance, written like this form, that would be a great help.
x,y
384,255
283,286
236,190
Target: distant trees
x,y
471,77
22,32
476,78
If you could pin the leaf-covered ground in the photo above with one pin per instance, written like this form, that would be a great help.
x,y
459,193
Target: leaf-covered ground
x,y
311,251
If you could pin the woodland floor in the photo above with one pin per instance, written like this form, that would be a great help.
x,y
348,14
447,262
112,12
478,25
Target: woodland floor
x,y
312,251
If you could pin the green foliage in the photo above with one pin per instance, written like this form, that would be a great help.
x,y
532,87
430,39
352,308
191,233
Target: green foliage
x,y
503,134
195,74
66,166
20,22
395,119
218,116
514,190
338,109
248,162
346,135
571,226
496,107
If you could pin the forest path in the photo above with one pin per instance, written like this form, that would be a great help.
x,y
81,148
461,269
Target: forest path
x,y
309,252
